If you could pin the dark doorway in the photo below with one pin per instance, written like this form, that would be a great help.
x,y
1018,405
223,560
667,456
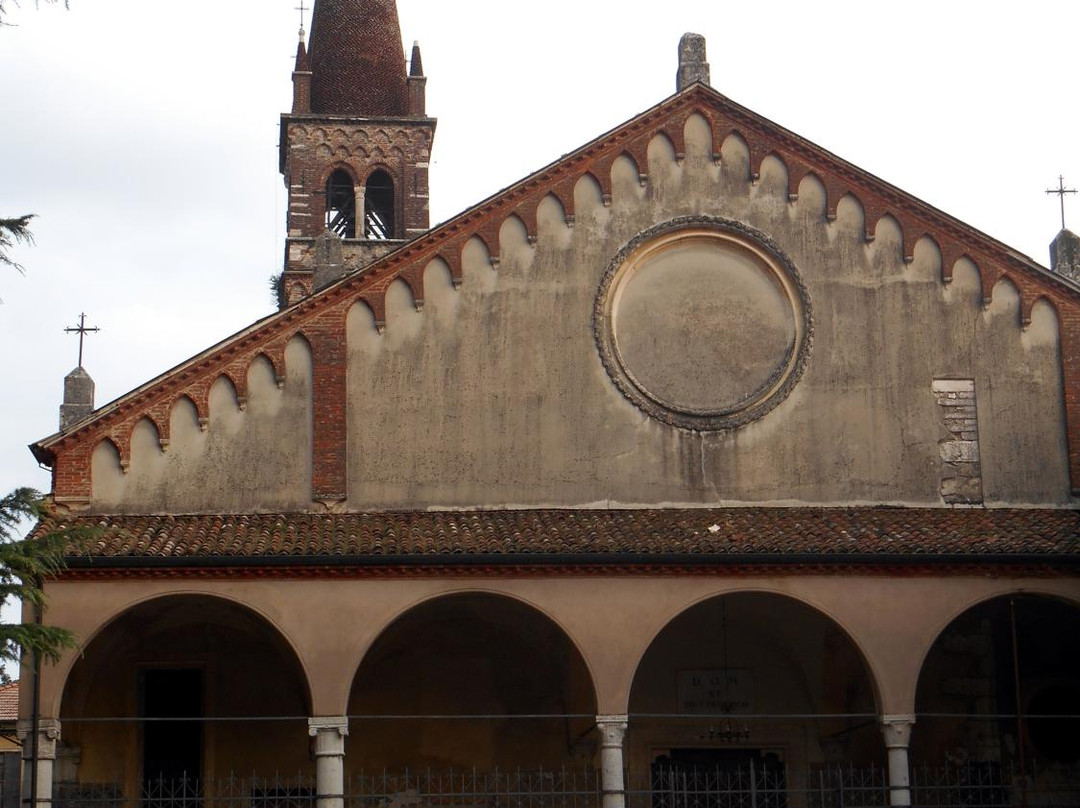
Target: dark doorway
x,y
172,750
719,778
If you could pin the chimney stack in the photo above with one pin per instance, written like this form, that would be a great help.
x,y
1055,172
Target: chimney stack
x,y
78,398
1065,255
692,64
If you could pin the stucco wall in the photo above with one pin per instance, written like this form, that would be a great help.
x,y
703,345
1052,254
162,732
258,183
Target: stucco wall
x,y
495,394
255,458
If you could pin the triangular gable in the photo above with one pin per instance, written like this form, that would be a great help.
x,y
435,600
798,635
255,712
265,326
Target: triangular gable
x,y
320,319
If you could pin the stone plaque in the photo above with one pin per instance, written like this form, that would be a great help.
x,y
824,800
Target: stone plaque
x,y
716,691
703,323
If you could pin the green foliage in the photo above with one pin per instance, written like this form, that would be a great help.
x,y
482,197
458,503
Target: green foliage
x,y
12,232
24,565
277,290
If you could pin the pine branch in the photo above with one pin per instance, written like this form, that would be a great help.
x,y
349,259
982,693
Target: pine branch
x,y
37,3
12,232
29,638
25,565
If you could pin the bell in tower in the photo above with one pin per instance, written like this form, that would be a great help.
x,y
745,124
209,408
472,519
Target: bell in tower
x,y
354,150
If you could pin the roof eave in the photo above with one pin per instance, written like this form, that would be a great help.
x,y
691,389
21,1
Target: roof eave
x,y
579,560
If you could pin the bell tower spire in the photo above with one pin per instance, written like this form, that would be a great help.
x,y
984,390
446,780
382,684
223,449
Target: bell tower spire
x,y
355,148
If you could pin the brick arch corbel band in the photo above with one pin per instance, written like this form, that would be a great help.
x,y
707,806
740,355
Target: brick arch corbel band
x,y
323,316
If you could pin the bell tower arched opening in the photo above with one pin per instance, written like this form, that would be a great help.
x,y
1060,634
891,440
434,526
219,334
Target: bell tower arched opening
x,y
379,206
341,205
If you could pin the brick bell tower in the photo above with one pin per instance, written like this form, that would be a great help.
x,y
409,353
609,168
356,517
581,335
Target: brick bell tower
x,y
354,150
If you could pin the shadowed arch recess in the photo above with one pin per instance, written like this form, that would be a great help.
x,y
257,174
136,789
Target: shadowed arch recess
x,y
219,649
762,671
471,680
999,684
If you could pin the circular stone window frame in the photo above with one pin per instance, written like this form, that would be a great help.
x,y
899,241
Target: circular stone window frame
x,y
729,233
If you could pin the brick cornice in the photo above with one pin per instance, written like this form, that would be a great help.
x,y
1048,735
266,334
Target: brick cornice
x,y
763,138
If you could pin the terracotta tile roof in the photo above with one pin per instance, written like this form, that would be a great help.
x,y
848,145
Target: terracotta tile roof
x,y
9,702
694,534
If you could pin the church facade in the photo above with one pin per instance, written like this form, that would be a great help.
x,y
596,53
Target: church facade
x,y
698,463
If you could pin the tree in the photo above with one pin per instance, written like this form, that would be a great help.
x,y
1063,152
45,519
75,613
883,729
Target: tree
x,y
12,232
5,3
24,565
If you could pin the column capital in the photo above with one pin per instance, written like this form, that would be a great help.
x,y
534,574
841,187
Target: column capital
x,y
48,735
328,724
897,730
612,729
329,733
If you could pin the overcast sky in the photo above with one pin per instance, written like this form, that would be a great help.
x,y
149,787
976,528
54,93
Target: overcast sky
x,y
143,133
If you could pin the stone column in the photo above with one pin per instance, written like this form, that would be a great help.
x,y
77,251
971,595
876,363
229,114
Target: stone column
x,y
329,734
612,732
360,197
897,732
48,737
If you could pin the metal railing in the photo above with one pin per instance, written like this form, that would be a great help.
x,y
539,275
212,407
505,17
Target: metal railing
x,y
991,785
749,786
519,788
765,786
974,785
190,792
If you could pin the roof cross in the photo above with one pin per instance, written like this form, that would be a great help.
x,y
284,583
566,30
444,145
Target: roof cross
x,y
301,8
82,331
1061,190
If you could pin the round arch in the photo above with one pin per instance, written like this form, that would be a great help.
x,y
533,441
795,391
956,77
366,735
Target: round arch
x,y
797,598
340,201
63,669
471,678
440,594
992,677
948,618
164,689
754,674
339,165
381,220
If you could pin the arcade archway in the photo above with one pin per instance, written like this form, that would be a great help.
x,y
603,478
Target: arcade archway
x,y
476,681
999,690
751,680
183,688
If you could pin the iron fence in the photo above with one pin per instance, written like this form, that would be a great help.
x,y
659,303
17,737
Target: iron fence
x,y
190,792
519,788
991,785
681,786
976,785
